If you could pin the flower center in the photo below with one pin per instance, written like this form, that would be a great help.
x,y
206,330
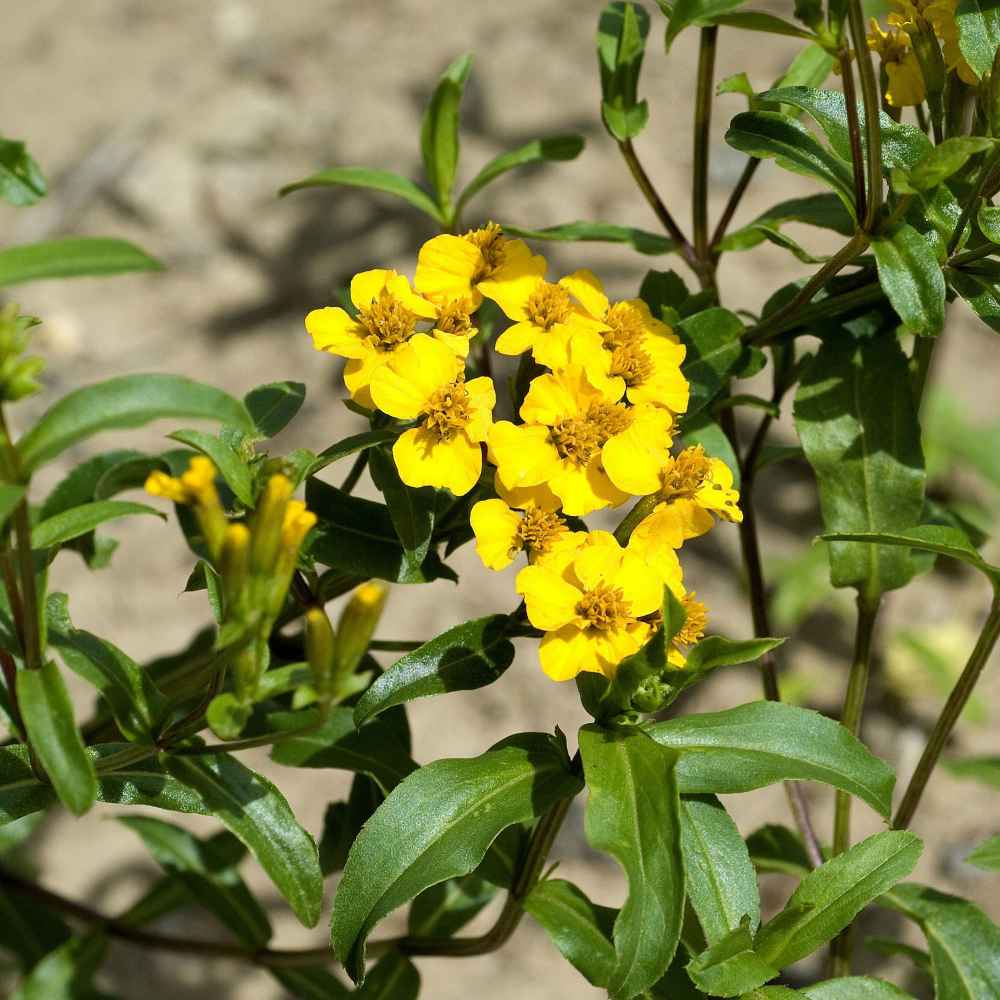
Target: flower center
x,y
388,321
685,474
454,318
891,45
624,340
547,305
489,241
537,532
694,625
448,411
578,439
604,608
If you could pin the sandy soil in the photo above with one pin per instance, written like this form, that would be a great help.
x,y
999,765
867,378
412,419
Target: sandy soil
x,y
174,125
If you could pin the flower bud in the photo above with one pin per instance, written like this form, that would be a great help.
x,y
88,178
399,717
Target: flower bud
x,y
234,565
268,523
17,373
357,625
320,644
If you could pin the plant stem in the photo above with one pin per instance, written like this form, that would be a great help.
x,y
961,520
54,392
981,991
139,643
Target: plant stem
x,y
702,136
395,645
920,364
956,702
248,743
29,593
972,201
734,202
357,468
854,132
872,102
854,703
635,517
764,330
9,670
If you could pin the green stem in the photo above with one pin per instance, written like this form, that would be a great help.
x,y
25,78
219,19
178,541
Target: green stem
x,y
231,746
949,716
702,137
635,517
972,202
854,132
920,364
130,755
734,202
29,593
395,645
355,473
872,102
767,330
854,702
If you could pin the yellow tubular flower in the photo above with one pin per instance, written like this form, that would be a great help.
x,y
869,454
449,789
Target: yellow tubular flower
x,y
939,15
692,488
906,82
451,268
195,488
638,353
589,449
592,612
388,314
502,533
425,381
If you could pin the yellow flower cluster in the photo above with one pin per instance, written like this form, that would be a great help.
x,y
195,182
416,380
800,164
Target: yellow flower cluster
x,y
915,25
595,429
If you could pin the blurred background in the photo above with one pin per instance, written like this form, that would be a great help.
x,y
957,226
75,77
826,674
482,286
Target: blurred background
x,y
174,125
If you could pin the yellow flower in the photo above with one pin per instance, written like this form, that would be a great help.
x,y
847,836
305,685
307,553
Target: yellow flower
x,y
940,16
527,497
425,381
593,611
590,450
906,82
692,488
451,268
502,533
692,631
638,353
195,488
388,314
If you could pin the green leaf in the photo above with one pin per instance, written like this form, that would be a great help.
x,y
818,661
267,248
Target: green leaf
x,y
438,824
447,907
125,402
940,538
903,145
580,929
854,988
351,445
632,814
621,44
964,943
986,855
706,432
911,277
135,702
21,182
74,257
223,893
979,289
394,977
939,163
978,33
48,716
886,946
466,657
70,524
374,180
358,537
439,131
251,808
985,770
730,967
988,218
774,848
548,150
718,651
769,135
855,417
748,747
597,232
231,467
684,13
712,338
720,879
825,211
412,510
29,931
313,982
373,749
830,897
273,406
66,973
10,497
756,20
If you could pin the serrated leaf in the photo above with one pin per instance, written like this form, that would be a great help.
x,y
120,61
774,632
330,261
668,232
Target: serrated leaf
x,y
911,277
764,742
464,658
641,830
580,929
856,419
374,180
597,232
125,402
251,808
964,943
69,524
720,879
48,716
72,257
830,897
231,467
437,824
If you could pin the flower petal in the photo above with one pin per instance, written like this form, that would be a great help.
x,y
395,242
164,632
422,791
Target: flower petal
x,y
587,289
424,460
445,268
634,458
482,397
522,454
495,527
333,330
549,599
368,285
566,652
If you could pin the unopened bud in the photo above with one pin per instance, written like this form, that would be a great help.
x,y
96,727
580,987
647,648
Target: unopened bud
x,y
320,648
234,564
357,625
268,523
